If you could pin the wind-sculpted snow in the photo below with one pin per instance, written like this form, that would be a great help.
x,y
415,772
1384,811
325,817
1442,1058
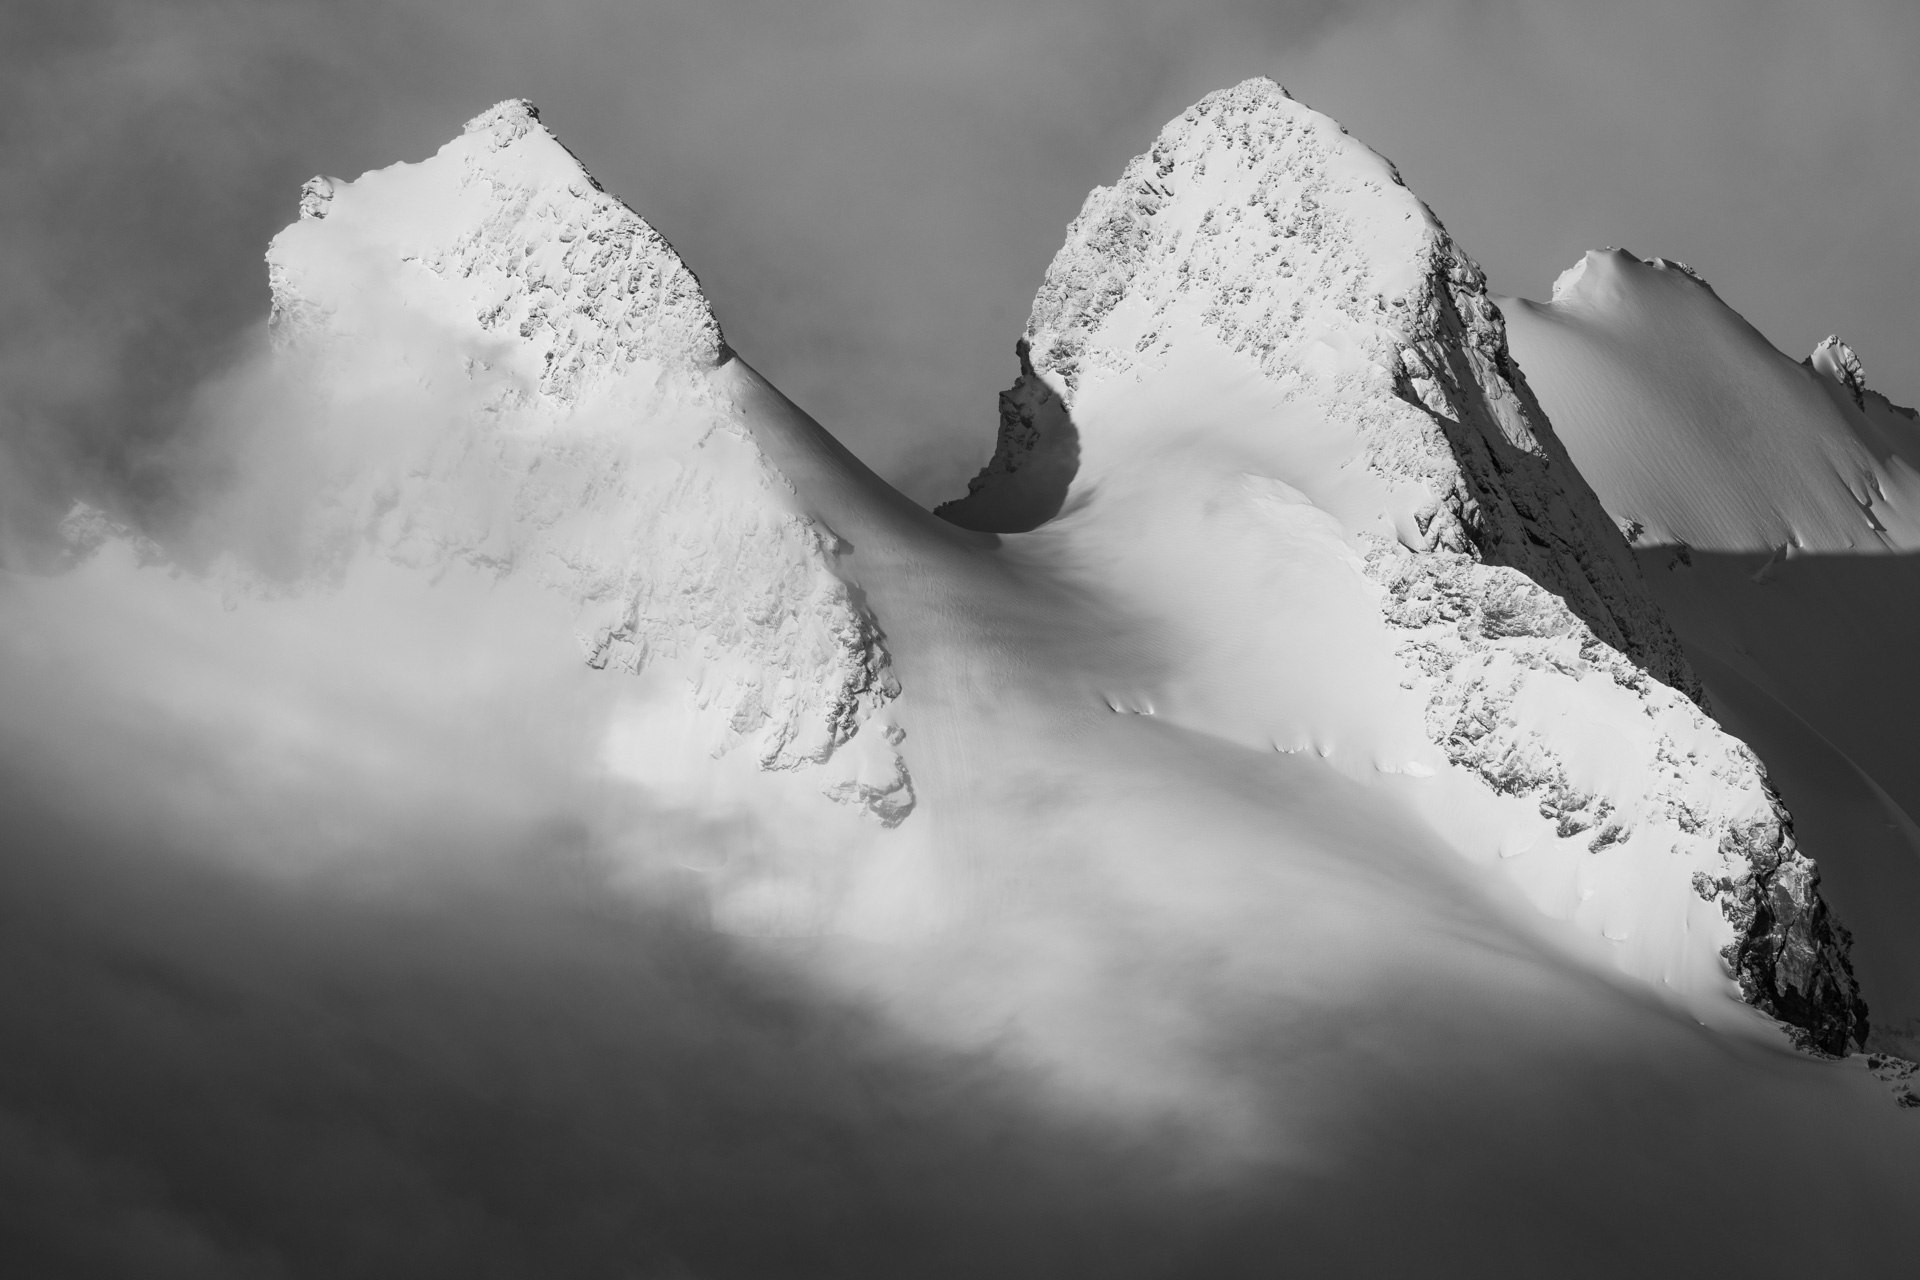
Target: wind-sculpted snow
x,y
1262,290
514,375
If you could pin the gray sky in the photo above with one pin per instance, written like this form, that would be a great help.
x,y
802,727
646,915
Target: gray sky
x,y
871,191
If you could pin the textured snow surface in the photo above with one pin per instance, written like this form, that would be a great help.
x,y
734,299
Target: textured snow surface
x,y
1694,429
1259,296
516,376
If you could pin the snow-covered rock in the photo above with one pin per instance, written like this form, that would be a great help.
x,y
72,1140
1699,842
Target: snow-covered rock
x,y
1260,330
514,375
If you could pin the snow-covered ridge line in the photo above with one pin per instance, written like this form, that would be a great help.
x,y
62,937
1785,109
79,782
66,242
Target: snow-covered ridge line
x,y
560,403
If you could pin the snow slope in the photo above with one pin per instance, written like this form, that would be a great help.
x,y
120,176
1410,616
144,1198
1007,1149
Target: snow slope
x,y
1694,429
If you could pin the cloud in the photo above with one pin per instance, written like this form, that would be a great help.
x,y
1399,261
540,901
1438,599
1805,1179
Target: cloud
x,y
319,959
328,949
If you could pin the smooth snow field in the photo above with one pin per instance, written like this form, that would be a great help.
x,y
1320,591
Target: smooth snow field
x,y
559,813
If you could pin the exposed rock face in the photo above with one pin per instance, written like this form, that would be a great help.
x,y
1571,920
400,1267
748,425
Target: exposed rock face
x,y
590,447
1037,441
1898,1075
1259,225
1789,955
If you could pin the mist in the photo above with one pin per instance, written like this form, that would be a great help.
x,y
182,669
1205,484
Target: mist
x,y
329,950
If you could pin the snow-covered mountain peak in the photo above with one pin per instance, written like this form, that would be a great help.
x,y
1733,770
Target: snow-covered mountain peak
x,y
1247,178
1260,232
508,218
1602,276
1267,393
514,375
505,123
1283,228
1602,273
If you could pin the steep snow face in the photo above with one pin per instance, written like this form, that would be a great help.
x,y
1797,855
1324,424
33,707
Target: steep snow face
x,y
1695,430
1263,392
517,377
